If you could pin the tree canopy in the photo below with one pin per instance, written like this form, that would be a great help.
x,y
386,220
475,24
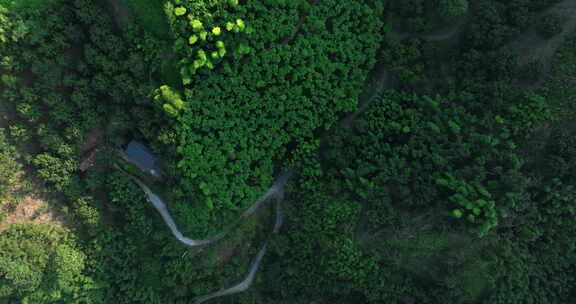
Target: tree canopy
x,y
430,144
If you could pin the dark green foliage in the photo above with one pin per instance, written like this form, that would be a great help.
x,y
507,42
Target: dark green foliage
x,y
141,261
420,16
542,232
317,259
495,23
550,25
431,152
532,71
414,15
492,24
150,13
486,67
559,88
117,257
377,155
461,264
405,61
79,68
239,118
10,168
438,193
453,8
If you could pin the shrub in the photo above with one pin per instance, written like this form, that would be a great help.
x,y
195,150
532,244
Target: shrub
x,y
55,170
324,229
88,214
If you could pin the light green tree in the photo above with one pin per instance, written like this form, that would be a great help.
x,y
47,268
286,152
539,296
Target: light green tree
x,y
169,99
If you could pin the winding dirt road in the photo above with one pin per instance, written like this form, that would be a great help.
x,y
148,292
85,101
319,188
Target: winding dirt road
x,y
276,191
244,284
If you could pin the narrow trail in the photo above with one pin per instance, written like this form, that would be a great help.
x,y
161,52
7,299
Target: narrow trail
x,y
530,46
276,191
249,279
301,21
121,17
380,83
383,78
244,284
278,188
161,208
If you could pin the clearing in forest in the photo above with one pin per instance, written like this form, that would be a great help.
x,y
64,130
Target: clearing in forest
x,y
32,209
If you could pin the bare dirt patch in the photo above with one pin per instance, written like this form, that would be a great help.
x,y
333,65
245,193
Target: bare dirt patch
x,y
35,210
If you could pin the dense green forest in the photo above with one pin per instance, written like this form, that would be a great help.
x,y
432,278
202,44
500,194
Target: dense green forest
x,y
404,151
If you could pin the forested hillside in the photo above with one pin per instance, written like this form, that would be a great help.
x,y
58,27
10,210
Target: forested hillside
x,y
287,151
